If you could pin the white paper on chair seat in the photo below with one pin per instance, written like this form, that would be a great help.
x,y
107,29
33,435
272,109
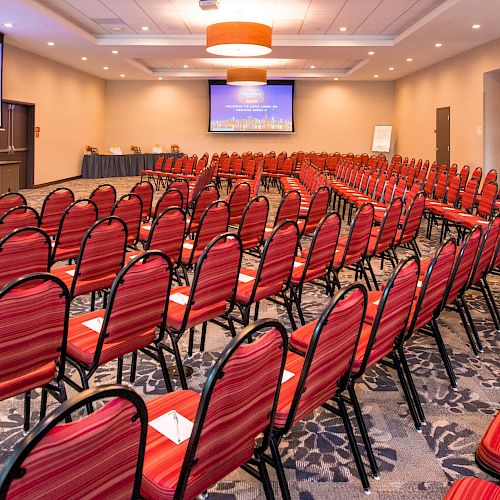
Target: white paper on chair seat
x,y
180,298
466,215
268,230
147,228
449,208
376,303
71,272
94,324
419,284
286,376
173,426
245,278
298,264
187,246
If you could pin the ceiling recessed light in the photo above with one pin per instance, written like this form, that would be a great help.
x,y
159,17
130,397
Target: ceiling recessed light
x,y
114,52
376,76
116,28
50,44
84,58
185,66
160,78
391,69
343,28
122,75
105,67
336,78
438,45
371,53
145,28
409,59
8,25
312,66
476,26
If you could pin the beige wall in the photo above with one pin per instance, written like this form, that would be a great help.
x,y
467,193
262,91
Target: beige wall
x,y
69,109
492,119
456,82
328,116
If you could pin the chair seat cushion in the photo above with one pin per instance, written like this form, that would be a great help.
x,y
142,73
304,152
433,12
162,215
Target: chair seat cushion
x,y
163,458
301,337
82,341
144,232
27,381
472,488
84,286
244,290
488,451
67,253
196,316
372,305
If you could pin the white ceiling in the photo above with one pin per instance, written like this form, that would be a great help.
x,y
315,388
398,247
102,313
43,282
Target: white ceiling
x,y
307,41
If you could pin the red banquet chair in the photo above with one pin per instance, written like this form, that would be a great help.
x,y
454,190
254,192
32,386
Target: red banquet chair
x,y
183,187
144,190
247,411
253,224
75,222
288,209
473,488
318,208
97,456
407,235
137,305
210,296
321,373
24,251
54,205
237,200
272,277
104,196
170,198
207,196
128,208
11,200
34,349
315,262
101,256
488,451
18,217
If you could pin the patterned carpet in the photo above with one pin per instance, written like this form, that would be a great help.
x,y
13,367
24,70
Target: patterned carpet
x,y
316,455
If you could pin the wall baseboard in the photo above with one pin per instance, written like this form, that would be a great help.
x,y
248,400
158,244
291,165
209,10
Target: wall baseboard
x,y
56,182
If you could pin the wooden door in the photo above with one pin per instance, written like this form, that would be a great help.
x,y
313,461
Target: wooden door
x,y
443,136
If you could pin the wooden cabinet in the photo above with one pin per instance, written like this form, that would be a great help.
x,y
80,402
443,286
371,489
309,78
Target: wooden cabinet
x,y
9,176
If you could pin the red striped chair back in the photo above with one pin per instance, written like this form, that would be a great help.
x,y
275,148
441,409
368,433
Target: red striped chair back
x,y
434,285
158,163
391,317
413,219
34,349
170,198
104,196
54,205
469,194
97,456
330,353
18,217
463,265
322,250
213,222
249,167
440,187
24,251
464,174
182,186
200,204
486,204
317,210
253,223
491,176
167,166
247,409
486,250
129,209
388,227
477,174
453,190
289,208
167,233
75,222
359,235
101,257
11,200
237,200
144,190
178,165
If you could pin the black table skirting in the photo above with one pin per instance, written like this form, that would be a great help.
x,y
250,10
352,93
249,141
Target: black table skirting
x,y
94,166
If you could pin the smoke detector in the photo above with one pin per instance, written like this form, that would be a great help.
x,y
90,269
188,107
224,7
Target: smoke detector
x,y
209,4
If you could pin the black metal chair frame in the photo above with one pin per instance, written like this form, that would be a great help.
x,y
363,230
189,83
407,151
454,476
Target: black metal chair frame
x,y
101,186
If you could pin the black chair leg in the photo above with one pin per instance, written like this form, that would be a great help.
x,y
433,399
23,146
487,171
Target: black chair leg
x,y
289,311
411,386
468,331
280,471
372,273
203,336
264,477
133,367
119,371
444,354
490,302
164,369
43,403
472,325
354,446
364,432
27,411
191,341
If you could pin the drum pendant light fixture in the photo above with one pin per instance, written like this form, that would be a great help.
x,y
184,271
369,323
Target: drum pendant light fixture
x,y
247,76
239,39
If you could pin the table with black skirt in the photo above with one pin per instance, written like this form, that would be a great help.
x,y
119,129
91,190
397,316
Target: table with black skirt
x,y
94,166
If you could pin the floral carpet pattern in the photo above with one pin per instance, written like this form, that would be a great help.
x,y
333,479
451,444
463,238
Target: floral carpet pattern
x,y
316,455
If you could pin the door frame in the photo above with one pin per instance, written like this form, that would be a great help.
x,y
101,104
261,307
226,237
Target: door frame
x,y
448,155
30,161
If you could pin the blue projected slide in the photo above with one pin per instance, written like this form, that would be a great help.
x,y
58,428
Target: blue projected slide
x,y
251,109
